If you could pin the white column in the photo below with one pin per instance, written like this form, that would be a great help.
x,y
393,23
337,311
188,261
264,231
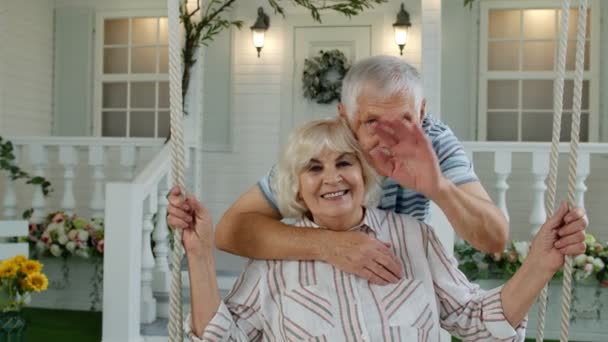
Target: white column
x,y
431,54
148,302
502,168
69,158
39,161
9,202
582,171
96,160
127,161
540,170
162,277
122,262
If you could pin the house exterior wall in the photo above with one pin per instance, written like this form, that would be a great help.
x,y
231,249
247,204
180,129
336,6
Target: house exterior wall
x,y
26,68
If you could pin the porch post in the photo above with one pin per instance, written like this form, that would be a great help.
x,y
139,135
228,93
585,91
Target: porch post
x,y
122,263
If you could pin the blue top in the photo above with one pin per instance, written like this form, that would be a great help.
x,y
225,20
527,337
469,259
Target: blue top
x,y
453,161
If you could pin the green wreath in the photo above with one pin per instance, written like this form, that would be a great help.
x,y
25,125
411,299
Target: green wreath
x,y
323,74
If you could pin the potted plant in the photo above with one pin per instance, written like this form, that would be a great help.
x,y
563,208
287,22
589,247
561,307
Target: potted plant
x,y
19,277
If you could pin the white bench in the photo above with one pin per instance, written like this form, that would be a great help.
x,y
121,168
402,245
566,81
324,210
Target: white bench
x,y
10,229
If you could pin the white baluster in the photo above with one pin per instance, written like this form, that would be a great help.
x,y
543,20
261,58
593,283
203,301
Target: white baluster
x,y
69,158
582,171
148,302
540,169
96,160
161,240
502,168
38,159
10,198
127,160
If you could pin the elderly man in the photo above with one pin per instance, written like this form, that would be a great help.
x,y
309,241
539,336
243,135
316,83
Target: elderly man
x,y
421,158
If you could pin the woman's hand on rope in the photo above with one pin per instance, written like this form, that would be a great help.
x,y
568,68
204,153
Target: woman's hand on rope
x,y
562,234
195,221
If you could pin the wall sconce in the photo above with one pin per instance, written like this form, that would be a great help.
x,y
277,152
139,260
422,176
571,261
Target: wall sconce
x,y
401,27
259,29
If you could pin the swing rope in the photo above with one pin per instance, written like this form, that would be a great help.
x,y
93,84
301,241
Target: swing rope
x,y
177,158
573,157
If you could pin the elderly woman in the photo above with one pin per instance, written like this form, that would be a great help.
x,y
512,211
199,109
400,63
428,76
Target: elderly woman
x,y
325,182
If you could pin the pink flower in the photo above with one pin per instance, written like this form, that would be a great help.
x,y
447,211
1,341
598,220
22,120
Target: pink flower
x,y
588,268
100,246
46,238
58,218
32,228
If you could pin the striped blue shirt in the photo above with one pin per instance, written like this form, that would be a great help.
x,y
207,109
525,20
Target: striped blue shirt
x,y
453,161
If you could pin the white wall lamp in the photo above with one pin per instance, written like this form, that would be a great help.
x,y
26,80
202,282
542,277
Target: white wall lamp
x,y
258,30
401,27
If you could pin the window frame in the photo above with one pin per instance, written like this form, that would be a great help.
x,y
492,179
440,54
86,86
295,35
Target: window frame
x,y
100,77
592,75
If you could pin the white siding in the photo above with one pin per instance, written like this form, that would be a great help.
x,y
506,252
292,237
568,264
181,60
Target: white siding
x,y
27,67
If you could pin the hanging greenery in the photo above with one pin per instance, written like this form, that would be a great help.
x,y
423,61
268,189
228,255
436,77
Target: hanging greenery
x,y
203,30
7,163
322,76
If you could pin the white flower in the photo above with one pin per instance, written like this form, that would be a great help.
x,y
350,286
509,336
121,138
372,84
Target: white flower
x,y
83,235
482,266
40,246
580,260
598,264
522,248
59,227
55,250
588,268
71,246
62,239
83,253
73,234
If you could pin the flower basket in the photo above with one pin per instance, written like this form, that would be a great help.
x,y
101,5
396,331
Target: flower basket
x,y
12,327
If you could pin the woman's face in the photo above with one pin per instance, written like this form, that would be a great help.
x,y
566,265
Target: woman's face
x,y
332,187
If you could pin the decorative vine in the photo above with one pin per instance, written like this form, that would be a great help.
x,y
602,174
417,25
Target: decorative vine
x,y
8,164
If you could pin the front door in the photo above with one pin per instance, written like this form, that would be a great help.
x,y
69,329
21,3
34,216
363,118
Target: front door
x,y
353,41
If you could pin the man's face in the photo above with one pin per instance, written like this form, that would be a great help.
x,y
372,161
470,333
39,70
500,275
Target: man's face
x,y
370,110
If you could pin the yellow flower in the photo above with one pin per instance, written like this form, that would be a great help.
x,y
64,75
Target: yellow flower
x,y
37,282
18,259
31,266
8,270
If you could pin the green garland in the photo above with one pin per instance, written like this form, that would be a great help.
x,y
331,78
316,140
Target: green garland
x,y
323,74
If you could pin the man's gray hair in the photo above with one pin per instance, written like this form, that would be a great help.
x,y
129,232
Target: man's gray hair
x,y
380,77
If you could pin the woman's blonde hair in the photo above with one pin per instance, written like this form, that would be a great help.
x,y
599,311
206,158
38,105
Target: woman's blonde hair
x,y
307,142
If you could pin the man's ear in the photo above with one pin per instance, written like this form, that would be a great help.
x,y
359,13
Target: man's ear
x,y
422,109
341,110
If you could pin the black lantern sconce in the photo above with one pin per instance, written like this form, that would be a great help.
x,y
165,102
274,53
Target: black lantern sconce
x,y
258,30
401,27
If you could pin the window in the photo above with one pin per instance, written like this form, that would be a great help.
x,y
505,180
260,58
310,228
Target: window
x,y
134,87
518,55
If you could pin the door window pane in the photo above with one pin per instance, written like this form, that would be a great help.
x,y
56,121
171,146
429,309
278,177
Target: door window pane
x,y
536,126
538,56
163,94
539,24
144,30
503,56
503,94
142,124
568,92
115,60
505,24
114,95
114,124
502,126
142,94
163,124
537,94
116,31
143,60
567,122
571,55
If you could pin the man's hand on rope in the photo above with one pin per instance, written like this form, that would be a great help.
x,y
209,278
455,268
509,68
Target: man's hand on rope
x,y
562,234
195,221
364,256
